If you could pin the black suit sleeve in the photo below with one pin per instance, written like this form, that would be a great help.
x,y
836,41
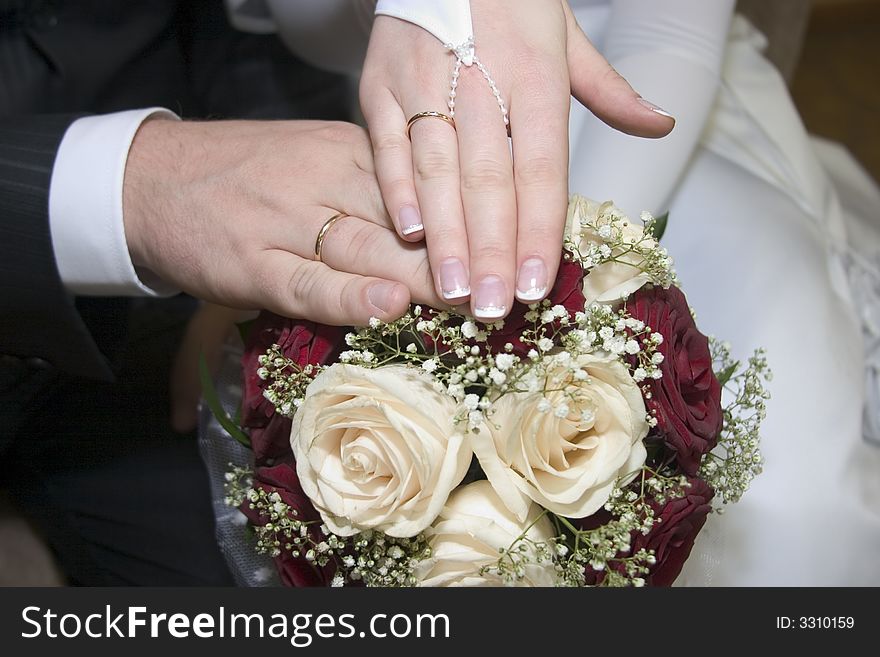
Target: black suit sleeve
x,y
38,317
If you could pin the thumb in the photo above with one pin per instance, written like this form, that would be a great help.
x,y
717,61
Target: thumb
x,y
314,291
603,91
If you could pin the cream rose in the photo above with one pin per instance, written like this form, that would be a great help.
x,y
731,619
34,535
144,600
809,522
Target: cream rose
x,y
610,281
472,527
376,449
565,448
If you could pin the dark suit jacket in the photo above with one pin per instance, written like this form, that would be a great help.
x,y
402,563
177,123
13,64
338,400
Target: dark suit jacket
x,y
62,59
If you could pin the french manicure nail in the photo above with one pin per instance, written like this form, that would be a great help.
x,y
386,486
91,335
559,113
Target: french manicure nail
x,y
655,108
410,220
531,284
453,279
490,300
380,295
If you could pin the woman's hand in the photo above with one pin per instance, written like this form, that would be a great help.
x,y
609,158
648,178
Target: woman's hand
x,y
491,210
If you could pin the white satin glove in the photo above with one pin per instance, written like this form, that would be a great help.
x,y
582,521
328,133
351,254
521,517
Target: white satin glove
x,y
672,52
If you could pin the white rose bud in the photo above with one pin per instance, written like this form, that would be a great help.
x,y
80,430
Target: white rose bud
x,y
467,536
610,281
376,449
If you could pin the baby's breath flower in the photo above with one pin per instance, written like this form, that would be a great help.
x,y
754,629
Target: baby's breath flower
x,y
469,329
737,460
497,377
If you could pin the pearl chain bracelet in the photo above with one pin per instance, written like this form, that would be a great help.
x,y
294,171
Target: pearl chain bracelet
x,y
465,55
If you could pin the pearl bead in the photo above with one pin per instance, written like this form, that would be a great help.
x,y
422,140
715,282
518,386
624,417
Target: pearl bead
x,y
461,52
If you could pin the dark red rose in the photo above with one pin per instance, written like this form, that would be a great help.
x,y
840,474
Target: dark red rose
x,y
671,540
687,399
567,292
294,571
271,441
302,341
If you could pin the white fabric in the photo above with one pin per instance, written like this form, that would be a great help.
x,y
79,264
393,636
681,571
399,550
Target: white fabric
x,y
760,244
860,213
85,207
680,36
448,20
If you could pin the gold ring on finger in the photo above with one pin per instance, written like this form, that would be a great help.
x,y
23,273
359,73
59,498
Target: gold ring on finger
x,y
427,115
319,242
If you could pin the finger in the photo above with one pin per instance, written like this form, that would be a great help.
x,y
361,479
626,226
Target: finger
x,y
393,161
185,387
603,91
299,234
438,183
300,238
489,198
360,247
347,166
295,287
540,161
206,333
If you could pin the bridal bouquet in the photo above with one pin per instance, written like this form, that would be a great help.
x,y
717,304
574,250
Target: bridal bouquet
x,y
581,441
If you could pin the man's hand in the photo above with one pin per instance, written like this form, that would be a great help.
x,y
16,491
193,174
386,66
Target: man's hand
x,y
229,212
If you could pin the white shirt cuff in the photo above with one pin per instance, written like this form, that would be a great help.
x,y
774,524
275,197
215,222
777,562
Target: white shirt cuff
x,y
85,207
449,20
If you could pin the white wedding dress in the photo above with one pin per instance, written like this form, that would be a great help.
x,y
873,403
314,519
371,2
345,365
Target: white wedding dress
x,y
762,239
759,236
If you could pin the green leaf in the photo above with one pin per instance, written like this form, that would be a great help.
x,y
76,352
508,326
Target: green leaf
x,y
658,229
727,373
210,395
244,329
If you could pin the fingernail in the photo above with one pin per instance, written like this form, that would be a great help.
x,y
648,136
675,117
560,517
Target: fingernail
x,y
410,220
490,300
380,295
531,285
655,108
453,279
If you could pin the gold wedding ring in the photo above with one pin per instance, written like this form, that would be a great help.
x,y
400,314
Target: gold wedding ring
x,y
319,243
427,115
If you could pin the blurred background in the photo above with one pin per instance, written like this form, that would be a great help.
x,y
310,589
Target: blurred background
x,y
827,50
830,55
